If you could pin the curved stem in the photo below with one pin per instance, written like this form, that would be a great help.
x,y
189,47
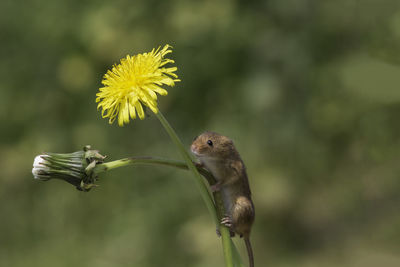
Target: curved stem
x,y
186,157
107,166
226,239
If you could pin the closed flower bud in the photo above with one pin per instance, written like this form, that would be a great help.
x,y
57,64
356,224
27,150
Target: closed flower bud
x,y
75,168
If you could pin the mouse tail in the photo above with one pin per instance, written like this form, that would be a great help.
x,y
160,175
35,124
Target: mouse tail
x,y
249,251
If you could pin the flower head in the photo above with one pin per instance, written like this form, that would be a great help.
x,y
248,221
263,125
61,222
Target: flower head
x,y
75,168
133,82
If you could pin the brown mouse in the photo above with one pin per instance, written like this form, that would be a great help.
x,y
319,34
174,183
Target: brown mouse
x,y
219,156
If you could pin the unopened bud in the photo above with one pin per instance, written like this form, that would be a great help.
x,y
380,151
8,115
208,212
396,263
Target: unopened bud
x,y
75,168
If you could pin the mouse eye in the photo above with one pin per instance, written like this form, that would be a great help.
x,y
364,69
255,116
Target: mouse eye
x,y
210,143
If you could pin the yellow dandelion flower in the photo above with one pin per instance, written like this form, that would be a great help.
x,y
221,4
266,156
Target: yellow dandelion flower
x,y
133,82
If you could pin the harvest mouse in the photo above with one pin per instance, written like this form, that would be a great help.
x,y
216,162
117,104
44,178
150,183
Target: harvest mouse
x,y
219,156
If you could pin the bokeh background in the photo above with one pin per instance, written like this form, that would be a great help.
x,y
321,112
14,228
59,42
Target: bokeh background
x,y
308,90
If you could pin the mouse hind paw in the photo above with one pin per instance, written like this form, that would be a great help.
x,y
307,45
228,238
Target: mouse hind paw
x,y
227,221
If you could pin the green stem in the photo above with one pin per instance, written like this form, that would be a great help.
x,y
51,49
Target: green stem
x,y
107,166
226,239
186,157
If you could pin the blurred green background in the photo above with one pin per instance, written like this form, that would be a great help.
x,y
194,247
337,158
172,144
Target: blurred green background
x,y
308,90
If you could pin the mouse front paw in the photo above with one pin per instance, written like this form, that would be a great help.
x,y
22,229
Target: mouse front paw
x,y
215,187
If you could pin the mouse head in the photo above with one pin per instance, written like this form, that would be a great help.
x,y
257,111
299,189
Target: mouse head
x,y
213,145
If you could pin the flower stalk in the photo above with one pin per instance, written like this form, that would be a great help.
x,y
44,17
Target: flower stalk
x,y
108,166
225,235
186,157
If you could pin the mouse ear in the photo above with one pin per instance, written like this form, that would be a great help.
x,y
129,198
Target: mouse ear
x,y
228,140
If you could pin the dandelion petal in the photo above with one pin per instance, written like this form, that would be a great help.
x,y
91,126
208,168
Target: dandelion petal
x,y
134,82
